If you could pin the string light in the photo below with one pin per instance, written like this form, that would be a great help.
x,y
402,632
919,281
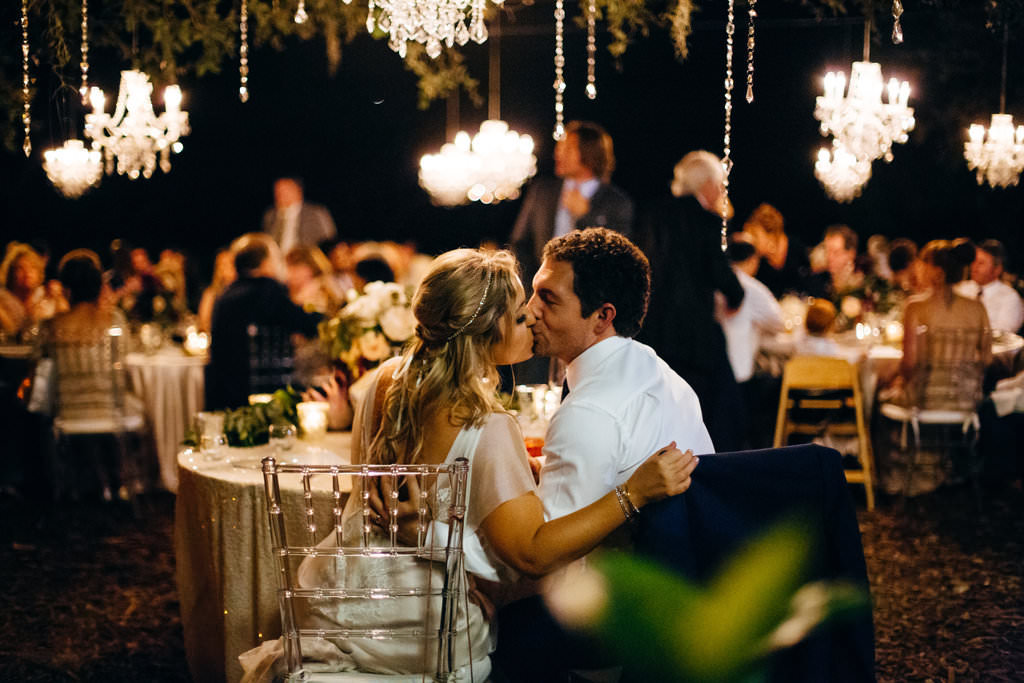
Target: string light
x,y
730,29
897,30
559,73
243,52
300,13
591,49
751,15
26,114
84,89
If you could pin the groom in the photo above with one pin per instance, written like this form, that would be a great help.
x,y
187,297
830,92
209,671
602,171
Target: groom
x,y
622,403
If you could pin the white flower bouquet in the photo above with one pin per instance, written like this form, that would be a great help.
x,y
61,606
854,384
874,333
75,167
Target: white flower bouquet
x,y
371,327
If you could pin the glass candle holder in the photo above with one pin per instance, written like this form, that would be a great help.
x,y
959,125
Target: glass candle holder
x,y
313,418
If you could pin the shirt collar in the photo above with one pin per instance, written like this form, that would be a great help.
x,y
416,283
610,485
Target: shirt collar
x,y
591,359
990,286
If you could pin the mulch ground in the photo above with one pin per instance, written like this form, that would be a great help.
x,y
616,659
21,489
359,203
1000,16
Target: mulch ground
x,y
88,590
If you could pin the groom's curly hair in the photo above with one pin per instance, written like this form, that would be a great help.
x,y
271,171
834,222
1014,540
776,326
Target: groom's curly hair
x,y
607,268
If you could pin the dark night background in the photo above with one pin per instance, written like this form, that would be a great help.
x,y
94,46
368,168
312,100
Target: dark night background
x,y
356,137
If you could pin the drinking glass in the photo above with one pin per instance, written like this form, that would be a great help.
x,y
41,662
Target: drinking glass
x,y
282,438
210,426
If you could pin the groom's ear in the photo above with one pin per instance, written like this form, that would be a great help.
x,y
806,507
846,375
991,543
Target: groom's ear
x,y
604,317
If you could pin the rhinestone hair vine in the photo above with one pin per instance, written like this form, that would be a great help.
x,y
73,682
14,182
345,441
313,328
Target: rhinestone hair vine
x,y
479,307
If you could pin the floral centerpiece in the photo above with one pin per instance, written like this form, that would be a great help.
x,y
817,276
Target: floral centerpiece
x,y
370,328
874,295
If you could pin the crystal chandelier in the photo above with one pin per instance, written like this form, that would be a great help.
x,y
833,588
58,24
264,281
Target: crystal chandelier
x,y
430,22
841,173
997,154
858,119
489,168
134,135
73,169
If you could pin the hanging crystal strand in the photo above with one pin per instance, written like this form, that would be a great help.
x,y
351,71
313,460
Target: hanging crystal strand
x,y
300,13
243,52
26,115
559,74
751,15
897,30
591,49
84,89
730,29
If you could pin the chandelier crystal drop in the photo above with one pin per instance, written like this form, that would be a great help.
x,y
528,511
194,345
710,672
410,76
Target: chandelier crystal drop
x,y
73,169
858,119
841,173
489,168
997,154
134,135
433,23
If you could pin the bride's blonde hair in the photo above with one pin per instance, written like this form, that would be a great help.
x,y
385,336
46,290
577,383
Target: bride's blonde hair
x,y
449,364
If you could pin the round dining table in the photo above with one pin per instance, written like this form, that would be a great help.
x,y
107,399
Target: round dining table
x,y
876,360
226,574
170,384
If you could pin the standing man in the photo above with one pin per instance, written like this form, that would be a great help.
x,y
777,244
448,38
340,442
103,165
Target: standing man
x,y
688,267
1002,303
581,196
620,404
292,221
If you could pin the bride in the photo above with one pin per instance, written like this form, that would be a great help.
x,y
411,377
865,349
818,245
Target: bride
x,y
439,402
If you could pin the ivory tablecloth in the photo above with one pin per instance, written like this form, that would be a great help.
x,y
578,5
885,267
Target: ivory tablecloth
x,y
227,581
170,384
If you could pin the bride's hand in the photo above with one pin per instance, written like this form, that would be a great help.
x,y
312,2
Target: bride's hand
x,y
407,511
666,473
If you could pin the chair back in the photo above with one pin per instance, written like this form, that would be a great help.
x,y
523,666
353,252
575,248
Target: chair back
x,y
271,358
91,384
819,372
346,586
949,369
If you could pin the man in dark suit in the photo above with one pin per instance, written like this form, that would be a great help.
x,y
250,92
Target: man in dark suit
x,y
682,240
292,221
257,297
581,196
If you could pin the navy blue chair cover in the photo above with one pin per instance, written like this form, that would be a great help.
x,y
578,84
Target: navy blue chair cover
x,y
735,496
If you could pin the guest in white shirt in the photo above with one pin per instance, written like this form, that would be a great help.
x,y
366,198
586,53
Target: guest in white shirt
x,y
758,314
1002,303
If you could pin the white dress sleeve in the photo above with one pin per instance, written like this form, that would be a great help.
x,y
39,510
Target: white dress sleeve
x,y
499,470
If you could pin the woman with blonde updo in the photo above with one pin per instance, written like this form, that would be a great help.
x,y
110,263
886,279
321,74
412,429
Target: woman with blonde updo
x,y
439,402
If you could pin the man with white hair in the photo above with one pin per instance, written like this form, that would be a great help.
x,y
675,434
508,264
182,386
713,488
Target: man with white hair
x,y
682,241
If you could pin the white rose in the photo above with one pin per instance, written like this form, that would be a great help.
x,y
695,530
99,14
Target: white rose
x,y
374,346
398,323
850,306
364,309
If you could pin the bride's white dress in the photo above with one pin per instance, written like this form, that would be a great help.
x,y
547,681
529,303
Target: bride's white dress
x,y
499,471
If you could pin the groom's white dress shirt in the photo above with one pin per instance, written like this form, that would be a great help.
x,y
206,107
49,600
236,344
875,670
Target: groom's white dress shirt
x,y
624,403
1003,305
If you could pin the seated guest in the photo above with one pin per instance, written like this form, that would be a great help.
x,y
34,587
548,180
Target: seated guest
x,y
840,245
435,404
372,269
820,322
25,300
223,275
903,265
943,263
308,276
340,254
256,297
1002,303
783,265
878,257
